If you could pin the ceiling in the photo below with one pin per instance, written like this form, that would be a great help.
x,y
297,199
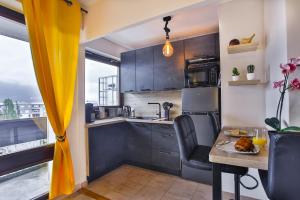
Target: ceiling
x,y
186,23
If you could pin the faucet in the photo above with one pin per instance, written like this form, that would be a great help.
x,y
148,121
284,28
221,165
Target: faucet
x,y
159,109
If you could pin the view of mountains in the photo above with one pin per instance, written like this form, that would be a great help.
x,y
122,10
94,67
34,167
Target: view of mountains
x,y
17,92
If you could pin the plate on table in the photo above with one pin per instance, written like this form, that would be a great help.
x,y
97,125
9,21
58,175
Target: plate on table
x,y
229,147
238,133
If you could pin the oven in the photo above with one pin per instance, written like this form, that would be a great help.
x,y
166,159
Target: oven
x,y
202,72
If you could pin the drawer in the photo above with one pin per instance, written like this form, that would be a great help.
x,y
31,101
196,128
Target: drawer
x,y
164,138
165,159
139,155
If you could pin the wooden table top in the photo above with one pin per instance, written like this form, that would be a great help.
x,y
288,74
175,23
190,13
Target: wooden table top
x,y
258,161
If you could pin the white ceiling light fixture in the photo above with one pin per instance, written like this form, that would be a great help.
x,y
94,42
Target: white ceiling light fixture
x,y
167,50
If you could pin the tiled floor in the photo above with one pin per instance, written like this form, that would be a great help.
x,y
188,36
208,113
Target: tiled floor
x,y
133,183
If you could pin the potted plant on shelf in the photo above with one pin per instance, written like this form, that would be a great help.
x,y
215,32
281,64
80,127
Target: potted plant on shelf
x,y
235,74
250,72
283,86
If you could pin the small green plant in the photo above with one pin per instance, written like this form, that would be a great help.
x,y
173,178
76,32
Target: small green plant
x,y
250,69
235,72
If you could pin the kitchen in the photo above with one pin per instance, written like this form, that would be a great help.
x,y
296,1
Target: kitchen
x,y
147,76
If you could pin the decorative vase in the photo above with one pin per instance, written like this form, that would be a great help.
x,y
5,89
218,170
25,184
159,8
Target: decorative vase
x,y
250,76
235,78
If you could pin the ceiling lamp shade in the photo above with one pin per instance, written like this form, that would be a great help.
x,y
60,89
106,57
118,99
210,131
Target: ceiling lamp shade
x,y
167,50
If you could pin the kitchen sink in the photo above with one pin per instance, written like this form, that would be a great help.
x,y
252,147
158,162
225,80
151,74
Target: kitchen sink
x,y
146,118
150,118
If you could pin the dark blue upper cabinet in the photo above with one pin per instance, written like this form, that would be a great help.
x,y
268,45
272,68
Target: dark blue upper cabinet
x,y
127,72
144,69
207,45
169,72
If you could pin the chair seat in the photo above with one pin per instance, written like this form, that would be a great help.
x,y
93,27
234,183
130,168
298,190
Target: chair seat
x,y
199,159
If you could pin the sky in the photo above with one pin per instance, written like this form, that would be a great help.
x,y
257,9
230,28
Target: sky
x,y
17,78
94,70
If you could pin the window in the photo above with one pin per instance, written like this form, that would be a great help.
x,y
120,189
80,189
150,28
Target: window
x,y
101,80
26,136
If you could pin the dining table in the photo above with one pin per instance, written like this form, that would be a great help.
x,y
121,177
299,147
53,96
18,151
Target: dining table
x,y
220,157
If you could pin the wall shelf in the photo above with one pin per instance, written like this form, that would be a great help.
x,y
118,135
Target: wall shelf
x,y
244,82
242,48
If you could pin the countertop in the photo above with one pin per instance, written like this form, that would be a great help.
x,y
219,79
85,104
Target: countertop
x,y
123,119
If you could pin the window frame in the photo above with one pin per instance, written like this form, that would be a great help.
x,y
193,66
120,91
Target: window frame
x,y
30,157
106,60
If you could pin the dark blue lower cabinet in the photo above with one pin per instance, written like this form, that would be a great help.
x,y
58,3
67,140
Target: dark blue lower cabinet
x,y
106,148
152,146
166,161
165,149
139,144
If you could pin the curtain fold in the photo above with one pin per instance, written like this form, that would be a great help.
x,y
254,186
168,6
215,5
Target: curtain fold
x,y
54,31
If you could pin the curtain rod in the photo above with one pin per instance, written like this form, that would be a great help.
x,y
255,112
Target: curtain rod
x,y
70,3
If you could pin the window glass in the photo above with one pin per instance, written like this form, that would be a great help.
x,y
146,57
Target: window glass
x,y
26,183
23,117
101,83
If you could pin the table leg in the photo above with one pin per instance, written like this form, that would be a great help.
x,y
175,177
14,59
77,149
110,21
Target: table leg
x,y
217,182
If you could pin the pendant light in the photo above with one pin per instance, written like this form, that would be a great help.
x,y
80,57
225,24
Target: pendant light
x,y
167,49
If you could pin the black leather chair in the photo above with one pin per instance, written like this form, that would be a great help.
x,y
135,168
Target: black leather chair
x,y
282,180
197,156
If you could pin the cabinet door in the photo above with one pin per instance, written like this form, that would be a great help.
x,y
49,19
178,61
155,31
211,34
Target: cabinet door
x,y
106,148
168,72
164,138
144,69
166,159
139,143
201,46
127,71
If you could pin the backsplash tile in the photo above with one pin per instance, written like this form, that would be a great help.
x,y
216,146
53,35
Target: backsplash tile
x,y
139,101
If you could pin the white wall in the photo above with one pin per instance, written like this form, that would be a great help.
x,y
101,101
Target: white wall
x,y
76,130
244,105
105,47
276,52
293,44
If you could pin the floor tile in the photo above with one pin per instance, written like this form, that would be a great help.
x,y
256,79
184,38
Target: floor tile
x,y
79,197
112,195
170,196
149,193
129,188
161,181
183,189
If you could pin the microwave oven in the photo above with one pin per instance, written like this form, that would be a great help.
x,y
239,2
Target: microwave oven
x,y
202,72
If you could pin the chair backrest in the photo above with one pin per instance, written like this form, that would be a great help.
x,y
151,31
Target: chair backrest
x,y
186,135
284,166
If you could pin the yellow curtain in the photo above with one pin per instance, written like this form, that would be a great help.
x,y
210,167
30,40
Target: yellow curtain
x,y
54,29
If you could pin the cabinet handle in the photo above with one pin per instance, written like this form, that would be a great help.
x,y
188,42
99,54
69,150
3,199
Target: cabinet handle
x,y
167,135
170,88
143,90
129,91
166,153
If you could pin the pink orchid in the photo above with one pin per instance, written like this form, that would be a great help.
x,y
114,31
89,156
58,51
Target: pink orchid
x,y
285,68
295,61
288,68
295,84
278,84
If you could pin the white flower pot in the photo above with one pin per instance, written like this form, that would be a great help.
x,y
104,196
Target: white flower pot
x,y
235,78
250,76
